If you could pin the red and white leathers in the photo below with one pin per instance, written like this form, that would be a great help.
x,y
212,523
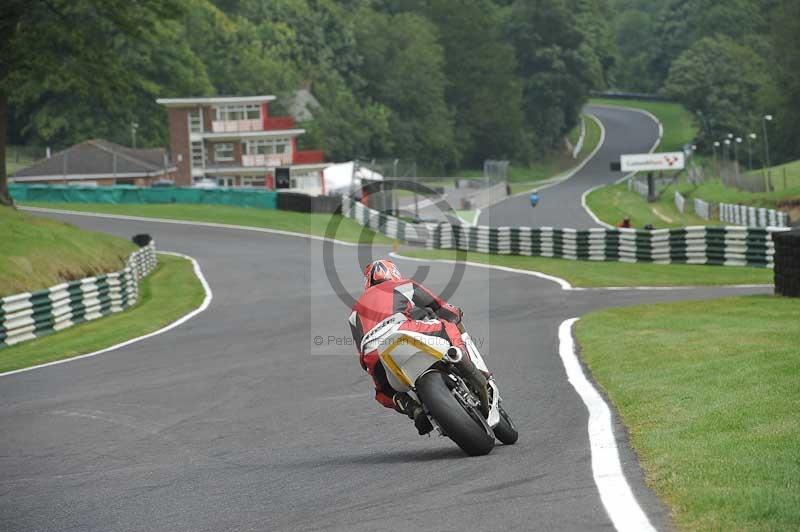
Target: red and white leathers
x,y
382,300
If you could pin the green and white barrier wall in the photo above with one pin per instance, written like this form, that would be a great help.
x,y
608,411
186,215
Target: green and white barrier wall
x,y
724,246
34,314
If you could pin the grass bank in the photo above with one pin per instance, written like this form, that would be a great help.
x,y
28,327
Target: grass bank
x,y
612,203
680,126
169,292
311,224
522,178
708,392
30,244
598,274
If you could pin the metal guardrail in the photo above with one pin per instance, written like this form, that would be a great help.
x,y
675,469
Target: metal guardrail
x,y
34,314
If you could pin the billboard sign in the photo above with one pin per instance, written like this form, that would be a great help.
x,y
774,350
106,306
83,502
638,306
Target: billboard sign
x,y
652,161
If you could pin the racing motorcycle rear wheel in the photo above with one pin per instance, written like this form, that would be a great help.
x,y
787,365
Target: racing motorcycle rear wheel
x,y
460,421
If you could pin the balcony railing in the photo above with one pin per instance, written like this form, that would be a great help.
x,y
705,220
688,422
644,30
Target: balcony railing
x,y
276,159
309,157
236,126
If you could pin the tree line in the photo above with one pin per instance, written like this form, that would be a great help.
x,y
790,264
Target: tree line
x,y
731,63
448,83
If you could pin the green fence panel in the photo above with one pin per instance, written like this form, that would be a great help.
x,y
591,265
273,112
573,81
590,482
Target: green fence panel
x,y
260,199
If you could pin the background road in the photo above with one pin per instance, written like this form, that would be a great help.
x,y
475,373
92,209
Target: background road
x,y
627,131
237,421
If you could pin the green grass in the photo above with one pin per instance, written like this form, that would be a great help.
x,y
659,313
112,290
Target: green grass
x,y
597,274
612,203
312,224
169,292
783,177
680,126
30,244
709,394
524,178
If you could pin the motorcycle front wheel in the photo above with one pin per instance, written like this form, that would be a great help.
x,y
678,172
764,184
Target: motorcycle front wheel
x,y
462,423
506,431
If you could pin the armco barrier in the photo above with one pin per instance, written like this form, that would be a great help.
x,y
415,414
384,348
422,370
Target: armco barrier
x,y
702,209
752,216
726,246
680,202
262,199
32,315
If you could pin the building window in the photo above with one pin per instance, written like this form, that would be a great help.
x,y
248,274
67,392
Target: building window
x,y
239,112
198,155
195,121
268,146
223,151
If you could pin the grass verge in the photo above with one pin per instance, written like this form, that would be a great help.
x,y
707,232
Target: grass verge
x,y
708,392
680,126
171,291
522,178
612,203
311,224
29,243
599,274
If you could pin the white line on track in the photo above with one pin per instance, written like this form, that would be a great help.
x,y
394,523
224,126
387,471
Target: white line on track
x,y
621,505
204,305
559,179
187,222
652,117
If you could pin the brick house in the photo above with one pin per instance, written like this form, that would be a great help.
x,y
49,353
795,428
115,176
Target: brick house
x,y
234,142
99,162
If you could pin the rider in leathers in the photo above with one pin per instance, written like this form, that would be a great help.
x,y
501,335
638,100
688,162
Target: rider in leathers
x,y
387,293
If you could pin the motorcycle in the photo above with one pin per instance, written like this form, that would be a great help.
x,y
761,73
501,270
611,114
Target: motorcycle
x,y
428,368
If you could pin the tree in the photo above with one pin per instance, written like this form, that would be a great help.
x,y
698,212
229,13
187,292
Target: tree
x,y
556,75
783,101
403,69
721,79
483,88
63,45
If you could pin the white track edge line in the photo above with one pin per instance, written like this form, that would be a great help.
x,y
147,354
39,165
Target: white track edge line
x,y
188,222
616,494
180,321
565,285
652,117
570,173
558,280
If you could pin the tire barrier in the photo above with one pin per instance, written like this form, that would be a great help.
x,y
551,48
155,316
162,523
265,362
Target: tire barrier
x,y
35,314
787,263
723,246
752,216
297,202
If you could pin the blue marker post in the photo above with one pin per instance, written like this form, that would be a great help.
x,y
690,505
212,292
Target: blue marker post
x,y
534,199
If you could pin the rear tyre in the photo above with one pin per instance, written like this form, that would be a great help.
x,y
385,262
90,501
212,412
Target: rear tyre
x,y
463,424
505,431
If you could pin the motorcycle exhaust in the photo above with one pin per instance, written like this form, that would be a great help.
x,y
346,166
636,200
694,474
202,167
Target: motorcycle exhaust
x,y
454,355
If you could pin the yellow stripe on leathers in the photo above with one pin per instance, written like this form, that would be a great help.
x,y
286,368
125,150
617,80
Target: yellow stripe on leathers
x,y
386,356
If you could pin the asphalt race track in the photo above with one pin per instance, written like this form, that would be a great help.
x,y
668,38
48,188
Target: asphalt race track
x,y
236,420
627,131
